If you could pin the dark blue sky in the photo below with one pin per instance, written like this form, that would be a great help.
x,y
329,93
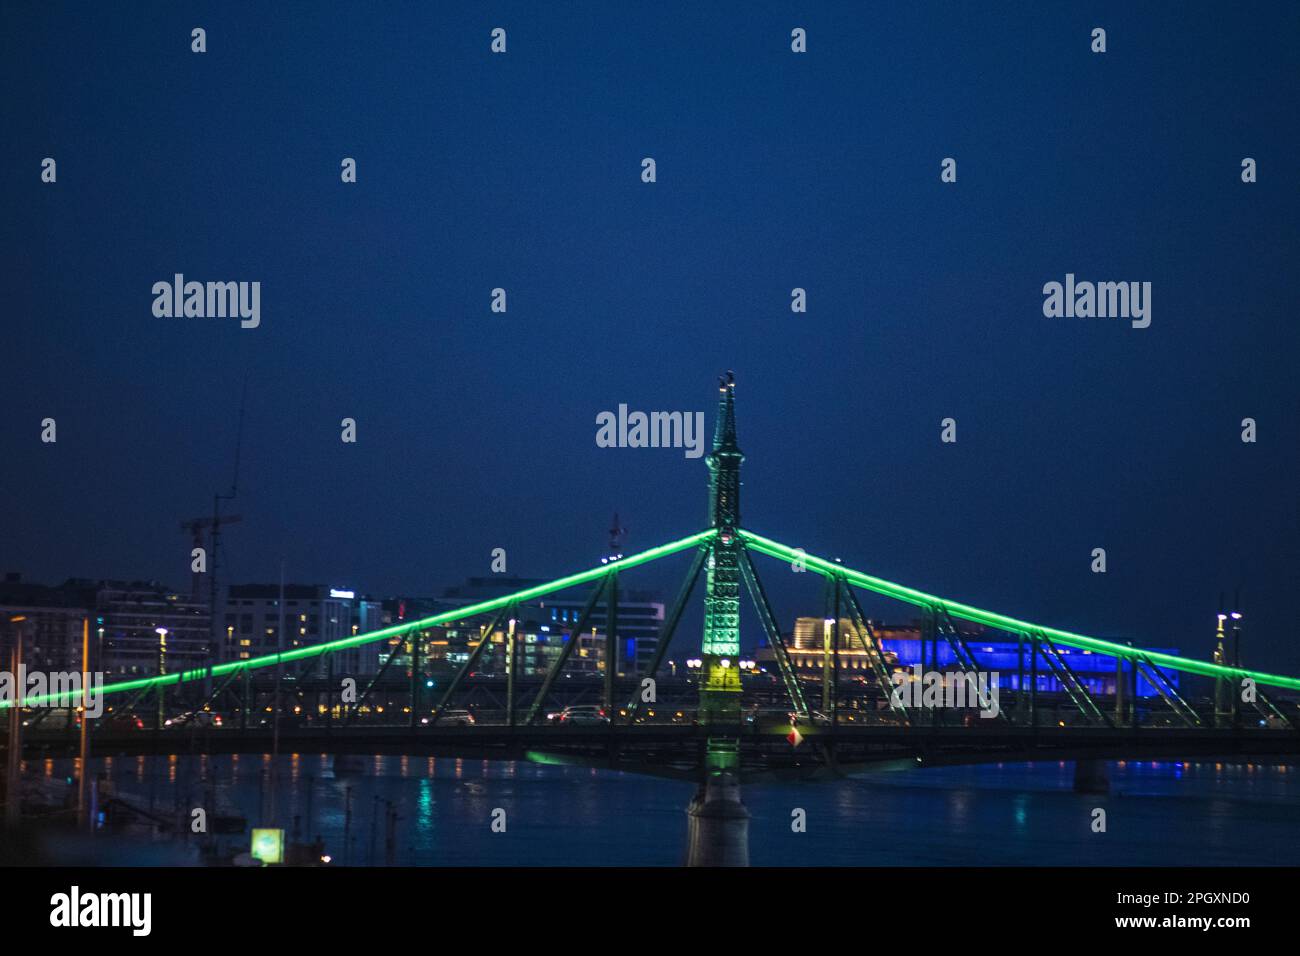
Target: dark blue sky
x,y
775,170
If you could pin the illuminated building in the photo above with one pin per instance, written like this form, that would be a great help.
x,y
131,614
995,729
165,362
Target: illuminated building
x,y
902,647
313,614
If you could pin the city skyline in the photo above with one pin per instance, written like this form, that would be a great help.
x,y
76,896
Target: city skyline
x,y
499,438
523,172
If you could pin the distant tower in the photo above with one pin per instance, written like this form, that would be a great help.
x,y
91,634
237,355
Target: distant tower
x,y
720,648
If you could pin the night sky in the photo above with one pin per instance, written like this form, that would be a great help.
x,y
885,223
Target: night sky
x,y
775,170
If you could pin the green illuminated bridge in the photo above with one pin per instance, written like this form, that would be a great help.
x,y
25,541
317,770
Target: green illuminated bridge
x,y
725,718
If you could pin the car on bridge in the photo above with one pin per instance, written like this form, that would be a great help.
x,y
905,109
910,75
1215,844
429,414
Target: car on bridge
x,y
581,714
455,718
194,719
53,719
120,722
815,717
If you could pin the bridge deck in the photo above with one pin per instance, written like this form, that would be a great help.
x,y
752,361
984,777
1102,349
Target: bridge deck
x,y
678,750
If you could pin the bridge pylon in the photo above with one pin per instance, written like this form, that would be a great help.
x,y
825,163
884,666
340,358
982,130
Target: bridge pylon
x,y
720,646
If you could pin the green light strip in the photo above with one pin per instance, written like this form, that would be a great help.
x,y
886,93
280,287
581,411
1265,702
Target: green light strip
x,y
1002,622
460,614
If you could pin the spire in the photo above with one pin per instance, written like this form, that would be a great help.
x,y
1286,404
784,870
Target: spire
x,y
724,433
724,460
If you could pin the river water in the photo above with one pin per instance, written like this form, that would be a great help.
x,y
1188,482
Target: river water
x,y
1156,814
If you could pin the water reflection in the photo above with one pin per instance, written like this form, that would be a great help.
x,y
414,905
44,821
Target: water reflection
x,y
1171,812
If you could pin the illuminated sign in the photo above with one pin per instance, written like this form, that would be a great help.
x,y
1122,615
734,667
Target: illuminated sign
x,y
334,592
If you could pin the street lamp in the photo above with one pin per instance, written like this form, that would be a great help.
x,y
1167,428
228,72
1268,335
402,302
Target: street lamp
x,y
162,669
162,649
13,793
830,661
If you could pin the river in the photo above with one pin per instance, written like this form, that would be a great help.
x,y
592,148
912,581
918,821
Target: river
x,y
1013,814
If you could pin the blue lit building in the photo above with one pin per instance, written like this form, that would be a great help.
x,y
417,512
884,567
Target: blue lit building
x,y
902,646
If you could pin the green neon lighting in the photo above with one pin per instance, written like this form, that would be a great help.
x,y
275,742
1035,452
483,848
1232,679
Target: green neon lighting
x,y
1002,622
460,614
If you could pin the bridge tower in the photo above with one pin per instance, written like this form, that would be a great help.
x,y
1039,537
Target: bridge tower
x,y
720,649
718,832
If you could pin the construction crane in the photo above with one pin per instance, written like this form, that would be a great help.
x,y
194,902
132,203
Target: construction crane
x,y
216,643
198,527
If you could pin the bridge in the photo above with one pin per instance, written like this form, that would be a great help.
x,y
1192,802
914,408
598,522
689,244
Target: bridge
x,y
724,724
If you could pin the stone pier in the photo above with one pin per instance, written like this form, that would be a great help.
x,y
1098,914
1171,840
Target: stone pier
x,y
718,824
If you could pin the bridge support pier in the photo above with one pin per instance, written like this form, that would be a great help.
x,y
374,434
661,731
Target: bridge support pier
x,y
1091,776
718,824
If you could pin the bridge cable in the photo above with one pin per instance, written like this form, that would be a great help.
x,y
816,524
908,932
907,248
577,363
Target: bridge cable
x,y
485,639
759,598
670,625
574,636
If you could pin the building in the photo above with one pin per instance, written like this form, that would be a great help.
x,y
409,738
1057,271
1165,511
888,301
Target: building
x,y
49,622
312,614
640,619
136,628
544,625
142,628
902,646
808,639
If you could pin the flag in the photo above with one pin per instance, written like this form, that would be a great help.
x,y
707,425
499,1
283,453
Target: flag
x,y
794,736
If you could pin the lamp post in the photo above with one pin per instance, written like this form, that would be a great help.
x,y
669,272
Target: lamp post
x,y
162,669
84,748
828,662
13,792
1236,662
